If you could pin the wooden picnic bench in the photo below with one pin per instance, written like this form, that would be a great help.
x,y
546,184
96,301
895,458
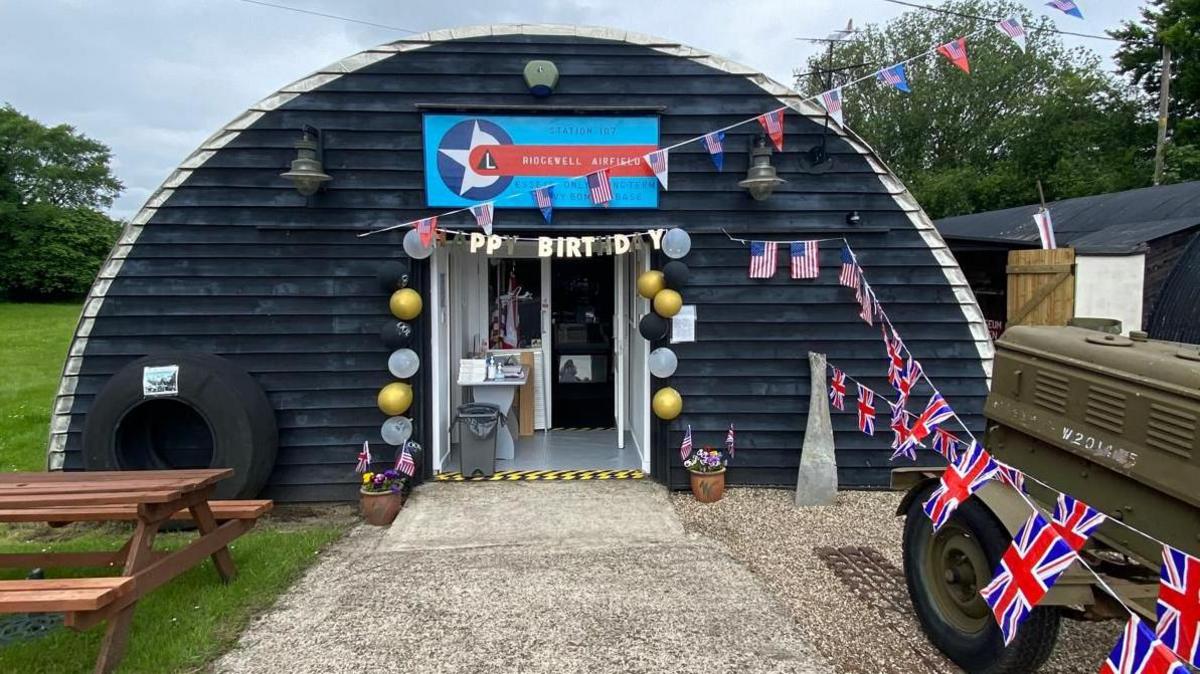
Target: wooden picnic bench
x,y
147,498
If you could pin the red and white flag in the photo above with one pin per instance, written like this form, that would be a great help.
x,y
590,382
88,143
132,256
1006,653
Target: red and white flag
x,y
804,259
405,463
364,459
772,123
1013,28
956,51
685,447
832,100
425,229
483,216
1045,228
729,441
657,161
763,258
599,187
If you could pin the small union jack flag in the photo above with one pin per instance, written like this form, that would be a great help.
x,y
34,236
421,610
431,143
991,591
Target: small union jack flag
x,y
849,275
364,459
1179,604
599,187
895,76
425,229
960,480
895,372
772,123
763,258
956,51
805,259
1138,652
1013,28
912,375
1074,521
1011,477
657,161
729,441
715,144
937,411
866,410
1066,7
946,444
1030,566
685,447
902,441
837,389
405,463
832,100
483,216
545,201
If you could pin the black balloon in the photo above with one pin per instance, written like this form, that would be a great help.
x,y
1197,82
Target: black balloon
x,y
393,275
396,334
675,274
652,326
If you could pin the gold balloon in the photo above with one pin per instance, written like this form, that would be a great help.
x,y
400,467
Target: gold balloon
x,y
650,282
667,303
395,398
405,304
667,403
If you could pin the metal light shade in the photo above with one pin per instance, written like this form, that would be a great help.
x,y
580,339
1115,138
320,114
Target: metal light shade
x,y
306,173
761,180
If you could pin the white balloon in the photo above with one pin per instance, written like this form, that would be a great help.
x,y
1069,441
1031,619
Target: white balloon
x,y
676,243
396,430
413,246
404,363
663,362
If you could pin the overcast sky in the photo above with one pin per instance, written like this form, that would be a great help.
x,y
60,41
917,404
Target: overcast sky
x,y
154,78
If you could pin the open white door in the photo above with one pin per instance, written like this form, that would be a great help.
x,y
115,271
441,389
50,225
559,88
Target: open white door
x,y
439,290
619,351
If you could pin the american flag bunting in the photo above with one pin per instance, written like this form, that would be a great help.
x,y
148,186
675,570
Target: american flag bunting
x,y
657,161
483,216
1178,607
1075,521
763,258
1013,28
544,196
1066,7
425,229
599,187
1027,571
866,301
837,389
1138,652
894,76
866,410
715,144
832,100
805,256
849,275
959,481
956,52
772,123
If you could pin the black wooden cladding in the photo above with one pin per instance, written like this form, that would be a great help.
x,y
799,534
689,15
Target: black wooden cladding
x,y
238,264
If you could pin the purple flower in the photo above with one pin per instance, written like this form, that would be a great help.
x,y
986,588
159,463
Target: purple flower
x,y
390,474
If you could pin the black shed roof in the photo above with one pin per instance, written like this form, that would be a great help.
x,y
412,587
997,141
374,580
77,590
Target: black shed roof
x,y
1118,222
1176,316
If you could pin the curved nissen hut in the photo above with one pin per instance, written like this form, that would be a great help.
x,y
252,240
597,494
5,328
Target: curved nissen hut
x,y
238,322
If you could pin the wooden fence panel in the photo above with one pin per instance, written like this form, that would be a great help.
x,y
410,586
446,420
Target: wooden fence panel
x,y
1041,287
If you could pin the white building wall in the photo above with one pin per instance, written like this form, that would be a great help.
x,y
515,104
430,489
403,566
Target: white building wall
x,y
1110,286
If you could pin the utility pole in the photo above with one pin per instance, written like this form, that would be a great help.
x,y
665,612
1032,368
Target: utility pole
x,y
1164,105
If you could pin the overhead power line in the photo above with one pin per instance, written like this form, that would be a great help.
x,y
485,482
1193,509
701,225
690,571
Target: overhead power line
x,y
347,19
964,15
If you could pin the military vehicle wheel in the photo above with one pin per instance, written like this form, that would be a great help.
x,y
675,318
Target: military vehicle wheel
x,y
945,571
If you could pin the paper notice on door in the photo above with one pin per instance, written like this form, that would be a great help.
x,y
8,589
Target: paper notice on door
x,y
683,324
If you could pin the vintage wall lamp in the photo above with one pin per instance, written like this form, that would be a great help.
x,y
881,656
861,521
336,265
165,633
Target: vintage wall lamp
x,y
761,179
307,173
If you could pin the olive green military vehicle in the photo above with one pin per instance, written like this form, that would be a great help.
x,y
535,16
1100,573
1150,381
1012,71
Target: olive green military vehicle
x,y
1110,420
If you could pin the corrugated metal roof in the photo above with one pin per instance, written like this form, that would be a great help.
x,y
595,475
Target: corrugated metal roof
x,y
1177,314
1118,222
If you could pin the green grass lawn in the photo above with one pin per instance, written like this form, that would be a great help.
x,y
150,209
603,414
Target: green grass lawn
x,y
184,624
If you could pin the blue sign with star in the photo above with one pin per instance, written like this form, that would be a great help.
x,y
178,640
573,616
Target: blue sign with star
x,y
502,158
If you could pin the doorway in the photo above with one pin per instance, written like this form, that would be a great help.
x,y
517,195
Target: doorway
x,y
581,343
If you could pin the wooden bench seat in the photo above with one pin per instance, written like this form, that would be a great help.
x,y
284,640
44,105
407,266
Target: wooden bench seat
x,y
61,595
223,511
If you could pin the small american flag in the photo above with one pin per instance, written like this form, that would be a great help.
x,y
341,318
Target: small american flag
x,y
866,301
729,441
483,216
849,275
866,410
599,187
832,100
956,51
772,123
715,144
1013,29
804,259
837,389
545,201
364,459
1067,7
657,161
894,76
425,229
405,463
762,259
685,447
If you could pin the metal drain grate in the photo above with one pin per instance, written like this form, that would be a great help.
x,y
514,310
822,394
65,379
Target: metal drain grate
x,y
27,626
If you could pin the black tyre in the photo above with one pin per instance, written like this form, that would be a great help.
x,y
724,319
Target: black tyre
x,y
944,573
219,418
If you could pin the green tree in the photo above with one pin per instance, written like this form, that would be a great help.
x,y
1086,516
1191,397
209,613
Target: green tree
x,y
53,181
968,143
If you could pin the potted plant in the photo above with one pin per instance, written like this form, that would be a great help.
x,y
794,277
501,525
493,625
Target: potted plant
x,y
382,496
707,468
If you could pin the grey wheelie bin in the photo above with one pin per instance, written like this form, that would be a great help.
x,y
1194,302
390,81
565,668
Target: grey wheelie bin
x,y
478,425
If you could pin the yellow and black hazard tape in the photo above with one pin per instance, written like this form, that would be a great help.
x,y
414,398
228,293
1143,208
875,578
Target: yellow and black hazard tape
x,y
530,475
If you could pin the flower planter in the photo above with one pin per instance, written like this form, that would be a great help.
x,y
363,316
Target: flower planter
x,y
380,508
708,487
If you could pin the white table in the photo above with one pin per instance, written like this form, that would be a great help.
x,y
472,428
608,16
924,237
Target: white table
x,y
500,392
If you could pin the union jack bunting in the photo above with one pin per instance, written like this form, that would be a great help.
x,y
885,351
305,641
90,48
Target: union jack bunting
x,y
937,411
832,100
599,187
1074,521
1013,28
1179,604
685,447
425,229
657,161
405,463
956,51
545,201
772,123
902,441
912,375
483,216
945,443
715,144
729,441
895,76
1066,7
1011,477
1138,652
849,275
959,481
866,301
866,410
762,258
837,389
364,459
895,372
805,259
1030,566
